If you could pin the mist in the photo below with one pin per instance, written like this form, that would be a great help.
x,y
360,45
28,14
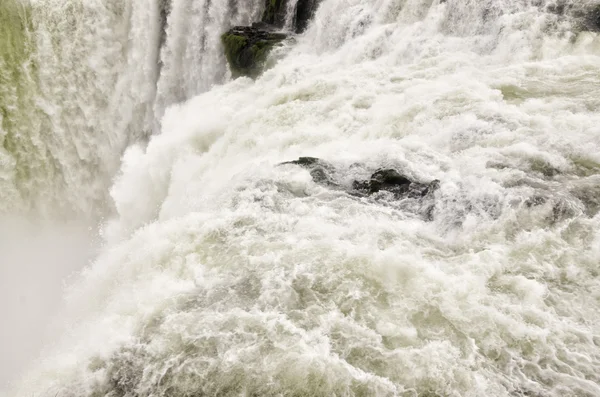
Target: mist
x,y
37,262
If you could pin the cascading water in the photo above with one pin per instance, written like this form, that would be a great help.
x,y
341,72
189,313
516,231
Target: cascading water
x,y
291,8
193,59
82,80
224,273
77,105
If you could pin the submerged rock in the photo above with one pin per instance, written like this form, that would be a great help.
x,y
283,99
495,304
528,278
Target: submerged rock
x,y
246,49
419,196
399,185
387,179
320,171
305,161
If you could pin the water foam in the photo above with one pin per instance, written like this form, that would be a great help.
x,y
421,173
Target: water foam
x,y
225,274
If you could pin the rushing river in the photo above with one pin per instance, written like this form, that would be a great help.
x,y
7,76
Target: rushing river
x,y
215,271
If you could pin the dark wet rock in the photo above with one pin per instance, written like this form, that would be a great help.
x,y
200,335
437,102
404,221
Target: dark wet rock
x,y
320,171
399,185
385,185
263,26
246,49
305,10
389,180
276,11
163,14
430,188
319,175
305,161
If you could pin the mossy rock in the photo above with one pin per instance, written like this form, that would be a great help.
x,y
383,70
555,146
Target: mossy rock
x,y
247,48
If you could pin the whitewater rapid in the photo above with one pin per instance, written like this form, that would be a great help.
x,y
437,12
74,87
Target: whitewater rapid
x,y
223,273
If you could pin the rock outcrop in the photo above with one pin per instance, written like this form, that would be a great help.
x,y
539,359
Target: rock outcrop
x,y
390,180
320,171
305,10
246,49
384,184
275,13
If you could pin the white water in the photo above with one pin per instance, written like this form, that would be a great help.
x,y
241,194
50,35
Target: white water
x,y
193,59
291,7
101,84
224,274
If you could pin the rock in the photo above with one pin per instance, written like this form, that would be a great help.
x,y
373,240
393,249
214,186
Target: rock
x,y
163,14
320,171
305,161
305,10
419,196
263,26
246,49
415,196
390,180
276,10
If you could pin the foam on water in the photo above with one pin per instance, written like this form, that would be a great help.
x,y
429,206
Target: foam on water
x,y
225,274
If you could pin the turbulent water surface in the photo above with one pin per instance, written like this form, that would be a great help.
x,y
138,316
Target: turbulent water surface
x,y
222,273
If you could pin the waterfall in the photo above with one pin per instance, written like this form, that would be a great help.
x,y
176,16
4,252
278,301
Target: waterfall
x,y
192,58
291,8
83,80
233,264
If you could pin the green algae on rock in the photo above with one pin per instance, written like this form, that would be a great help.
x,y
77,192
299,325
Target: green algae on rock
x,y
247,48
